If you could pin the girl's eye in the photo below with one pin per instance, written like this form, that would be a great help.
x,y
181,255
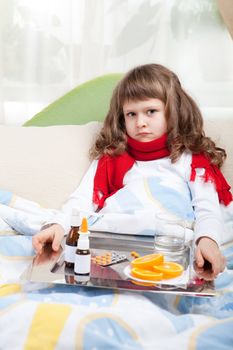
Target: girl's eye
x,y
130,114
151,111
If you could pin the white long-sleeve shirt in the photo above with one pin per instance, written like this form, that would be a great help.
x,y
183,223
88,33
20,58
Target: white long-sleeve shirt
x,y
151,188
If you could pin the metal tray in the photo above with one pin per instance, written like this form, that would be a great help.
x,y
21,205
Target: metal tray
x,y
50,267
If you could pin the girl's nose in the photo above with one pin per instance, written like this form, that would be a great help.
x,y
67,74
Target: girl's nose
x,y
141,121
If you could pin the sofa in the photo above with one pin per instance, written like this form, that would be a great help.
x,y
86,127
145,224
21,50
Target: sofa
x,y
45,159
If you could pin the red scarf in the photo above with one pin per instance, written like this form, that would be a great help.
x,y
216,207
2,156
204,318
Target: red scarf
x,y
109,176
212,174
112,169
151,150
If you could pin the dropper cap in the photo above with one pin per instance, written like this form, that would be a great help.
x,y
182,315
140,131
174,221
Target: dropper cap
x,y
75,218
84,226
83,242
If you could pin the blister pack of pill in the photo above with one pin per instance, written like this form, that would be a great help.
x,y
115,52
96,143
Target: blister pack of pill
x,y
109,258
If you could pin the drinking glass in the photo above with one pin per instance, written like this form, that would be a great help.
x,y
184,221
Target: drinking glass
x,y
169,240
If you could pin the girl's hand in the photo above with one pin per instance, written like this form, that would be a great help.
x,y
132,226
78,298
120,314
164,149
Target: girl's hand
x,y
54,234
209,261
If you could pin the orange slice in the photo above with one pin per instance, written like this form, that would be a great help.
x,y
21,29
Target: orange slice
x,y
169,269
146,274
147,261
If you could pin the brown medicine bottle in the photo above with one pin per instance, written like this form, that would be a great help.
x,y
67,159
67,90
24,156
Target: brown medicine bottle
x,y
72,239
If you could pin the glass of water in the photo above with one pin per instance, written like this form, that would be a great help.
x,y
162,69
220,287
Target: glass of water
x,y
169,240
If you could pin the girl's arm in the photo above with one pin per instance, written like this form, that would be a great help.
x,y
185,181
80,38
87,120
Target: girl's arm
x,y
208,216
208,228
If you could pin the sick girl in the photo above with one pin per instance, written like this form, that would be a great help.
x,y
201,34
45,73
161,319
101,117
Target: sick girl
x,y
151,157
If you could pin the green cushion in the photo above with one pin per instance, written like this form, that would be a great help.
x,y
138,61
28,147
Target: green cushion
x,y
85,103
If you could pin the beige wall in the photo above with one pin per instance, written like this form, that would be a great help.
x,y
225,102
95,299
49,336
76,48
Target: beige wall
x,y
226,10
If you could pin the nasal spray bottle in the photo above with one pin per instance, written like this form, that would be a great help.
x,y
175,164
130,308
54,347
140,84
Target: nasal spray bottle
x,y
82,264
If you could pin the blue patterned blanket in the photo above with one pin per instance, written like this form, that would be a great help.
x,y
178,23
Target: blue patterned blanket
x,y
44,316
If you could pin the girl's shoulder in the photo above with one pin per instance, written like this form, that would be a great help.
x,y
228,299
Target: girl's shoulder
x,y
183,165
116,160
185,159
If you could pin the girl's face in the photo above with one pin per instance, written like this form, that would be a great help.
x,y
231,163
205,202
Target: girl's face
x,y
145,120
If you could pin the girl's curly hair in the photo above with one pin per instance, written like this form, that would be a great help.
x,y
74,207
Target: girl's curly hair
x,y
184,120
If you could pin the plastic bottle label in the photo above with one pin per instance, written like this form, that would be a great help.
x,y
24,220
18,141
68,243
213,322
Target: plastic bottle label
x,y
82,264
70,253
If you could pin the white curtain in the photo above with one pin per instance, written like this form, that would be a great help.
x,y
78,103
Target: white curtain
x,y
47,47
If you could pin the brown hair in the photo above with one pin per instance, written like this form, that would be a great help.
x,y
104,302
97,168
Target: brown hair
x,y
184,119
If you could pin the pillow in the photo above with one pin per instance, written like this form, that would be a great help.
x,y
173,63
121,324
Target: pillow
x,y
45,164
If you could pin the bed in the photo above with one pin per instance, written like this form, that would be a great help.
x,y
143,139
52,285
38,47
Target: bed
x,y
43,315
